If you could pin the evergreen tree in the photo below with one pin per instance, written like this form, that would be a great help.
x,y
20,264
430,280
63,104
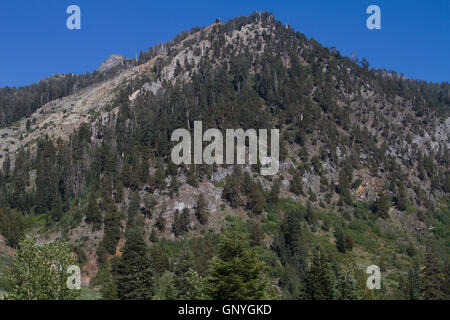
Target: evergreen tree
x,y
112,229
274,193
446,282
255,199
174,186
231,191
256,235
201,211
181,222
431,275
93,214
414,283
340,242
297,183
109,289
133,210
319,279
134,274
236,272
160,223
12,227
347,286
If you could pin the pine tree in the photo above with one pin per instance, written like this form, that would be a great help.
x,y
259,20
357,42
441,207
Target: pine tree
x,y
153,236
12,227
431,275
446,282
319,279
236,272
274,193
160,223
201,211
134,274
297,183
231,191
340,242
181,222
347,286
414,283
112,229
93,214
192,177
256,235
174,186
255,199
133,210
109,289
7,166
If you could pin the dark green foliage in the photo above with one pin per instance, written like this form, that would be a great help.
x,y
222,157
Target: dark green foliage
x,y
134,274
297,183
174,186
290,243
236,272
201,211
346,285
93,214
319,281
181,222
274,193
12,227
414,283
381,206
256,236
112,229
432,279
109,289
255,200
340,241
231,191
158,258
160,223
411,250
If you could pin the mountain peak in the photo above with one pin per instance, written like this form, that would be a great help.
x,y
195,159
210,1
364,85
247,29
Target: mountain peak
x,y
113,61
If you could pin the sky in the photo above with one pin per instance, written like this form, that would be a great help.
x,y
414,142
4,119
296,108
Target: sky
x,y
414,38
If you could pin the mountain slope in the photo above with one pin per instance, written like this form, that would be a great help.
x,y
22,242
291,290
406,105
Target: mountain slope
x,y
364,158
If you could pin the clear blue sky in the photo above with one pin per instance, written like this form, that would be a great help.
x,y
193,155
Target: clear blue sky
x,y
414,38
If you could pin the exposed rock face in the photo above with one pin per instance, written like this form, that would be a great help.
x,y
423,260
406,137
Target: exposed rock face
x,y
112,62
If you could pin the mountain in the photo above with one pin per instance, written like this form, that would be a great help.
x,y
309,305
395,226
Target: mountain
x,y
363,179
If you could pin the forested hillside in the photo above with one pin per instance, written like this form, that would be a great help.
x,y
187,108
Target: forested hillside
x,y
364,172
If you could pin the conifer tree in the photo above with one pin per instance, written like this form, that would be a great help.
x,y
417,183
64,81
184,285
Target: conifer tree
x,y
340,242
346,285
431,275
134,273
236,272
297,183
255,199
319,280
201,211
93,214
414,283
274,193
112,229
